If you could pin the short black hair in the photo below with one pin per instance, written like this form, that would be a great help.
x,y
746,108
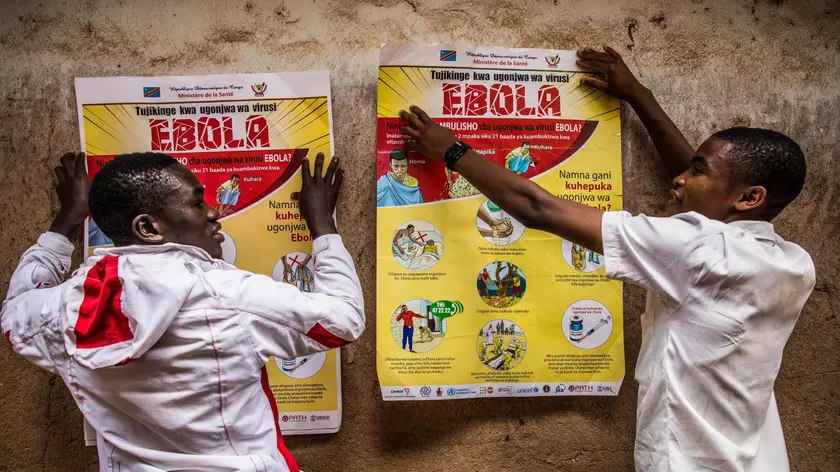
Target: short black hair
x,y
526,142
129,185
235,176
398,155
766,158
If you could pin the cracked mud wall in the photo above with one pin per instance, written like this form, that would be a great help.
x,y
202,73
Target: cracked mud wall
x,y
713,64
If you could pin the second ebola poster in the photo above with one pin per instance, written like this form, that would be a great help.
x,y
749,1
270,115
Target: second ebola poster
x,y
470,303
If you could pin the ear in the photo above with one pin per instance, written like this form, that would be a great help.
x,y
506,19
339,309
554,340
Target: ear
x,y
751,198
147,229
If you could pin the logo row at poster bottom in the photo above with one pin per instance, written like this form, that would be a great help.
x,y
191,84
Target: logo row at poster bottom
x,y
535,389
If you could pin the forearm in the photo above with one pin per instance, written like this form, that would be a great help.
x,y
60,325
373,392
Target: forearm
x,y
532,205
674,150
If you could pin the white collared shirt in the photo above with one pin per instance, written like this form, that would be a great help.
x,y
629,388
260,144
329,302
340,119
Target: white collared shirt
x,y
722,302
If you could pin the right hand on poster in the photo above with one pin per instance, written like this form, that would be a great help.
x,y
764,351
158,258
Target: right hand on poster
x,y
618,80
318,195
429,137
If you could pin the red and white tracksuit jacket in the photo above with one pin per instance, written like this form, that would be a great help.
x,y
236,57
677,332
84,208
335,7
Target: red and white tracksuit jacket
x,y
164,348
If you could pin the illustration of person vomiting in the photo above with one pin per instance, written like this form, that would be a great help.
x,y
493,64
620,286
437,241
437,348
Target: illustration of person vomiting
x,y
519,160
227,195
396,187
407,316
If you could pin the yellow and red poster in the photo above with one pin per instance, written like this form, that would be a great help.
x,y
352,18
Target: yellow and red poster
x,y
470,303
244,136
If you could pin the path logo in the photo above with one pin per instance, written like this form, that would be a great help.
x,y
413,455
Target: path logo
x,y
151,92
448,56
259,89
552,61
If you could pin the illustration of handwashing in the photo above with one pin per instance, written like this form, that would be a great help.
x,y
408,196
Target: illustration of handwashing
x,y
587,324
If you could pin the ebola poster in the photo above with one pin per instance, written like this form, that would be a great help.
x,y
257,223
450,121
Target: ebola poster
x,y
244,137
470,303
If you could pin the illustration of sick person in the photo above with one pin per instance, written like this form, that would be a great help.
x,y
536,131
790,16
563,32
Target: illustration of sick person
x,y
519,160
303,276
578,257
396,187
407,316
227,195
403,242
460,188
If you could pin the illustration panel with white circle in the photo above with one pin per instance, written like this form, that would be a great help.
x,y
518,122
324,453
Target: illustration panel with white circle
x,y
415,329
417,245
301,367
580,258
496,226
587,324
228,249
501,344
501,284
295,268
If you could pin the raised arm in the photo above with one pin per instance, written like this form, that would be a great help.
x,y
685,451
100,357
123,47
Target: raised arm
x,y
674,150
47,263
526,201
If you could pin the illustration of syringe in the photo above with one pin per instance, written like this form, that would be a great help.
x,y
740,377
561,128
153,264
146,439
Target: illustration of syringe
x,y
302,361
594,328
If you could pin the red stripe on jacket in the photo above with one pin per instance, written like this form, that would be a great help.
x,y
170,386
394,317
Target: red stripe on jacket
x,y
101,319
281,446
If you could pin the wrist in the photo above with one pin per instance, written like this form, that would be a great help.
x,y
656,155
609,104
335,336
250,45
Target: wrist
x,y
641,97
67,224
321,226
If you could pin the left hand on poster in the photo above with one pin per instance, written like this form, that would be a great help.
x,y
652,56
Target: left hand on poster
x,y
318,195
72,190
429,137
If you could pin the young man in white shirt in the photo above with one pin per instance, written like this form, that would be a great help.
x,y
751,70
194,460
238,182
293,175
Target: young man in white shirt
x,y
724,291
161,343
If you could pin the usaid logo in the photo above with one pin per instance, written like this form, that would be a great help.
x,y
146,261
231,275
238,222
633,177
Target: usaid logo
x,y
314,418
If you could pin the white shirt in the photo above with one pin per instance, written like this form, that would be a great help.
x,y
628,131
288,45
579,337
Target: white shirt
x,y
722,301
164,348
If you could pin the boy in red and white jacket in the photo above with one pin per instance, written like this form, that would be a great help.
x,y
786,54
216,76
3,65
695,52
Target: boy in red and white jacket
x,y
161,343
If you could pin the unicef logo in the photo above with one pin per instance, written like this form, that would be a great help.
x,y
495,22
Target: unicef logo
x,y
450,391
425,391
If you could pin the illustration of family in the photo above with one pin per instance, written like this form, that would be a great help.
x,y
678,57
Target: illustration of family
x,y
397,187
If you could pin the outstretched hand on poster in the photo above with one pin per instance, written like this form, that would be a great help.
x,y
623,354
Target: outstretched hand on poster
x,y
319,194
